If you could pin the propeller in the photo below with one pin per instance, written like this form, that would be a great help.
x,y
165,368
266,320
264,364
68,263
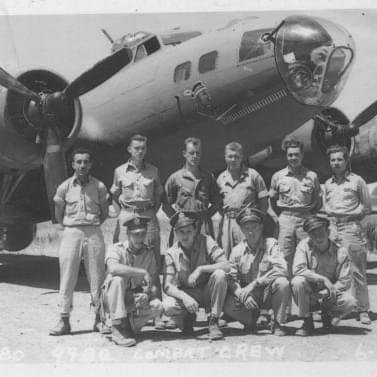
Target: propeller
x,y
45,109
365,116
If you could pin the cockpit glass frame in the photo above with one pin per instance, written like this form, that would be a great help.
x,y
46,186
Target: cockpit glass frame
x,y
327,87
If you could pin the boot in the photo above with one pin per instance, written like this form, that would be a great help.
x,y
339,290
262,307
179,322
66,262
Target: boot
x,y
213,328
100,326
188,323
326,320
120,337
63,327
278,329
307,327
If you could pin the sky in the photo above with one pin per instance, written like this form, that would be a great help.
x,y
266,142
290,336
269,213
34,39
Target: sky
x,y
71,43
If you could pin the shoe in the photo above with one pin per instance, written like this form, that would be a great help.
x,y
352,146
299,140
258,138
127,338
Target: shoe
x,y
170,324
327,320
307,327
278,330
120,338
188,323
214,332
222,323
159,324
63,327
335,321
100,326
364,318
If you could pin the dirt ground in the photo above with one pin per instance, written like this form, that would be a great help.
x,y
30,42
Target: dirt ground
x,y
29,292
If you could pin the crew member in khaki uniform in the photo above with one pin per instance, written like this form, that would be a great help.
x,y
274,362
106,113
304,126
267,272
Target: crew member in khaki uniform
x,y
347,201
295,193
129,293
137,189
81,207
191,189
195,275
240,187
258,278
322,277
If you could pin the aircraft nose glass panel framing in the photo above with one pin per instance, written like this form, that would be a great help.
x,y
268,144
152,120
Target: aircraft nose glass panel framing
x,y
314,57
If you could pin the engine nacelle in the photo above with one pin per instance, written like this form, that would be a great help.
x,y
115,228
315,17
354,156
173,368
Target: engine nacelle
x,y
21,147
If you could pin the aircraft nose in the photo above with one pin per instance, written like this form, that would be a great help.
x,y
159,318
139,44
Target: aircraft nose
x,y
314,57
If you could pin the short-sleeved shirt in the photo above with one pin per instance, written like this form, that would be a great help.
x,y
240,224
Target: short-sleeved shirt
x,y
300,191
264,263
247,190
144,258
180,264
135,185
348,197
189,193
82,203
333,263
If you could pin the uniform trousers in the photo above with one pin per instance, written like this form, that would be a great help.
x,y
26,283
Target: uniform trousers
x,y
79,242
349,234
306,297
211,296
119,303
275,296
290,234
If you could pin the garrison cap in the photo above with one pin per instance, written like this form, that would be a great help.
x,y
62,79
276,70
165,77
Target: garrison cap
x,y
135,223
314,222
183,218
250,214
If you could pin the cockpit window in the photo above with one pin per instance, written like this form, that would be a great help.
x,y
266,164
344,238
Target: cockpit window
x,y
252,45
182,72
207,62
147,48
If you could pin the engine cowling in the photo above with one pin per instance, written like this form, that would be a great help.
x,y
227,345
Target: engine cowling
x,y
21,144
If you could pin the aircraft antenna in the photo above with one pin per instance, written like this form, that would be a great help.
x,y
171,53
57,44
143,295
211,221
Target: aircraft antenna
x,y
107,35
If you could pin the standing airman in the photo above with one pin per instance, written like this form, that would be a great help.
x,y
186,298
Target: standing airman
x,y
295,194
191,189
137,189
240,187
81,207
347,201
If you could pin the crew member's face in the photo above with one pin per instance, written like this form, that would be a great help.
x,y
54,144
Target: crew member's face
x,y
137,239
294,157
233,159
192,154
320,238
137,149
81,164
252,231
338,163
186,235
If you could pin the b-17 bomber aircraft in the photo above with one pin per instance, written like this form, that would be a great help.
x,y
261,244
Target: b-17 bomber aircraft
x,y
251,81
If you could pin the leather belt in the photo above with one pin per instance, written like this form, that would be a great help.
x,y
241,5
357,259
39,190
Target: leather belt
x,y
344,219
139,209
296,213
232,213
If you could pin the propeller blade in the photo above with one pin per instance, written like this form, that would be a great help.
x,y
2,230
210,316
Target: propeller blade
x,y
9,82
54,164
98,74
366,115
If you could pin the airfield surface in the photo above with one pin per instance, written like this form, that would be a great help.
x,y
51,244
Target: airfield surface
x,y
29,293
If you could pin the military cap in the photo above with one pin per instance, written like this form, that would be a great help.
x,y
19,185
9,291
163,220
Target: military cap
x,y
314,222
183,218
250,214
135,223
